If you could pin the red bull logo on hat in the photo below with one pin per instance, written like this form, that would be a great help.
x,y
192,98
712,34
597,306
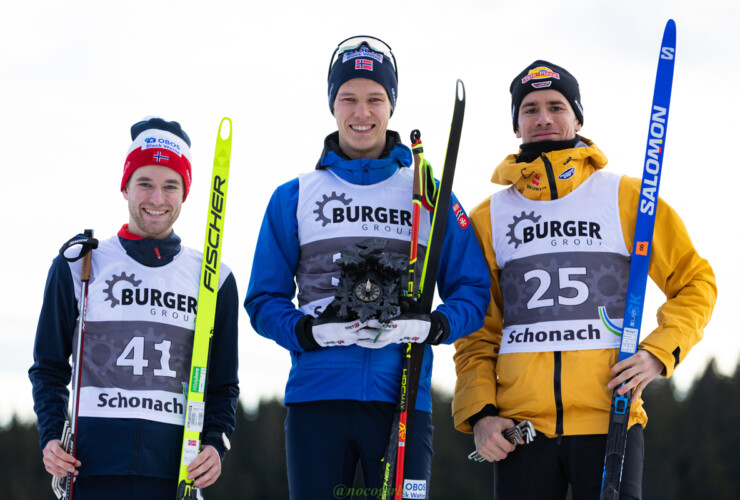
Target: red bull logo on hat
x,y
539,73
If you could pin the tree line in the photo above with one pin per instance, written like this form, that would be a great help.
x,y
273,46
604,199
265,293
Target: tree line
x,y
690,449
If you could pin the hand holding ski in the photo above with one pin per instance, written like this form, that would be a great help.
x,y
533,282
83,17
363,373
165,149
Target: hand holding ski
x,y
635,373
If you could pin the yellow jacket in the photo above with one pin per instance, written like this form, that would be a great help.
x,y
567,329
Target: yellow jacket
x,y
531,386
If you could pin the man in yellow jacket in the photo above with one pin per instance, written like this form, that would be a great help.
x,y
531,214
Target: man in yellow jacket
x,y
558,243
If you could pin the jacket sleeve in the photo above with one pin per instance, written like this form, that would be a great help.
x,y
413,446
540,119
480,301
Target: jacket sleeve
x,y
272,287
476,354
51,372
223,380
676,267
462,280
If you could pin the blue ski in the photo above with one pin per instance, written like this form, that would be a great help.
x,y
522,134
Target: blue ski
x,y
616,440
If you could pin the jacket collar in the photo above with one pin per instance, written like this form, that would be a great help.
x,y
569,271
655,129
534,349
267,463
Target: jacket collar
x,y
530,151
365,171
565,162
148,251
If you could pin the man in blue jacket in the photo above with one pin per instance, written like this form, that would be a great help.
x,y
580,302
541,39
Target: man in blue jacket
x,y
141,307
345,376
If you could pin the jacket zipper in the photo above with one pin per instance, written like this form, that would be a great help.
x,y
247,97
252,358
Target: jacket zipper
x,y
550,177
558,356
557,386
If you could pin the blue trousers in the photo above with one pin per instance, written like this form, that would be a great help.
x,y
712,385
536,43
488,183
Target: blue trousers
x,y
325,440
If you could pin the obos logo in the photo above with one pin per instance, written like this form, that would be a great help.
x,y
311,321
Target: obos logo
x,y
161,142
363,52
125,290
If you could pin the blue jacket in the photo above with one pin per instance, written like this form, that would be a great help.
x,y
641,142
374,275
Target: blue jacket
x,y
108,446
352,372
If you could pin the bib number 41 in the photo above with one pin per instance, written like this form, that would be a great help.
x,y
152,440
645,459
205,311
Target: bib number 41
x,y
133,356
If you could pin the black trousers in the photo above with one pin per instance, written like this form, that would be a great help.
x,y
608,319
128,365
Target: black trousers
x,y
123,488
326,439
543,469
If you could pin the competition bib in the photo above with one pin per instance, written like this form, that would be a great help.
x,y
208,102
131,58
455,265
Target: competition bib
x,y
138,335
564,268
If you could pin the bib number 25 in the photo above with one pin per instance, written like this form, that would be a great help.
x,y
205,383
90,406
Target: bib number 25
x,y
566,281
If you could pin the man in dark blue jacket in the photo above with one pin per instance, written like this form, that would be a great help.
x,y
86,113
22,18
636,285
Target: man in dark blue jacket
x,y
345,376
141,307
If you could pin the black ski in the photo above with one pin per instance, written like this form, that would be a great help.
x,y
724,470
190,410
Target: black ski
x,y
433,254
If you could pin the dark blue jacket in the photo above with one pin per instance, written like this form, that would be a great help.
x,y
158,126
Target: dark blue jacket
x,y
108,446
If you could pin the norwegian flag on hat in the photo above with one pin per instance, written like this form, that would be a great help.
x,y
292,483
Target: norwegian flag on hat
x,y
160,157
364,64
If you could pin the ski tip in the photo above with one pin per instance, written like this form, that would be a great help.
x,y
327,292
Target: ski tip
x,y
670,29
668,44
224,133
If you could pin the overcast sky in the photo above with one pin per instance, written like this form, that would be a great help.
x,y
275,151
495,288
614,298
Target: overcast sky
x,y
75,75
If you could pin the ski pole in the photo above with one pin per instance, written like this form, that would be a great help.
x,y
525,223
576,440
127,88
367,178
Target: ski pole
x,y
63,487
418,149
412,292
395,451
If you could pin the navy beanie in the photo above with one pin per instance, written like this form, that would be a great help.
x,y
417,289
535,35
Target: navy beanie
x,y
159,123
543,75
363,63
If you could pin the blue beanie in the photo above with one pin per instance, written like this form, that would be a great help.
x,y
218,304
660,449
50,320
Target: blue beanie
x,y
363,63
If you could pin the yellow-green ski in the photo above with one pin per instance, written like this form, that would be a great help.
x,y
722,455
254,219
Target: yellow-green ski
x,y
195,409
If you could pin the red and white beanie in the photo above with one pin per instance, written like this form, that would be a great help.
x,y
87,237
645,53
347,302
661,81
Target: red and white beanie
x,y
159,142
